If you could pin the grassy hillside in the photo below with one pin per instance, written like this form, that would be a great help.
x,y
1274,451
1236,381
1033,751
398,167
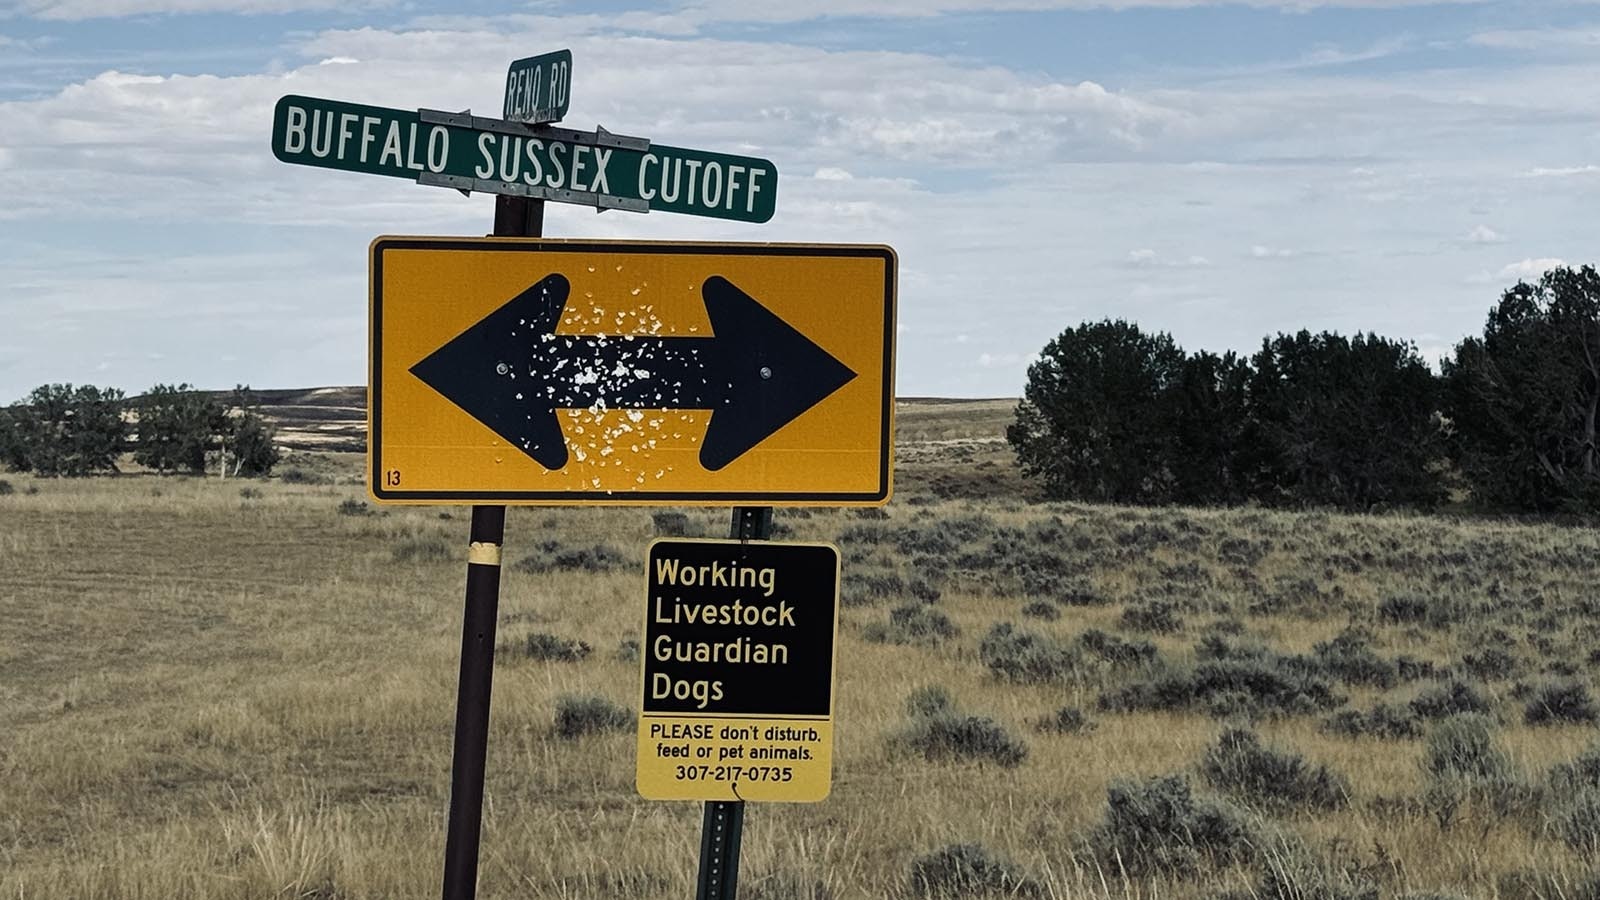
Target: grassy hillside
x,y
245,690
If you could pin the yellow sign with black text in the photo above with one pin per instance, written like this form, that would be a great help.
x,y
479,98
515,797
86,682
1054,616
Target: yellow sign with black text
x,y
517,370
737,671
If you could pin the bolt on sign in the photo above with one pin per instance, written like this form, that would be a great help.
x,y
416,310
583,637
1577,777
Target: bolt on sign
x,y
737,664
549,371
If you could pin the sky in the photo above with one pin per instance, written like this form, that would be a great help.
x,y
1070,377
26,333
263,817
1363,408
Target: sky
x,y
1218,171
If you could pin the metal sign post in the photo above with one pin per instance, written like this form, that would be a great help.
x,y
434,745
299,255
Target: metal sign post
x,y
513,217
723,825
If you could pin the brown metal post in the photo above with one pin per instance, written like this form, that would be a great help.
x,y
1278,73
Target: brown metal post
x,y
722,827
513,217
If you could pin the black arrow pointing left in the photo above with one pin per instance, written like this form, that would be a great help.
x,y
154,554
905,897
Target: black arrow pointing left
x,y
512,371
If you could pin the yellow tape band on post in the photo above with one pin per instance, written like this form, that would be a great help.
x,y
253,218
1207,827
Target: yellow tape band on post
x,y
484,554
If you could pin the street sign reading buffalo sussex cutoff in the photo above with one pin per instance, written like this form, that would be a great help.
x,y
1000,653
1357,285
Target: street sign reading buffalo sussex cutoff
x,y
539,88
473,153
546,371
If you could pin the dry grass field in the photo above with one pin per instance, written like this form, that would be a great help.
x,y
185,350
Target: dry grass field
x,y
227,689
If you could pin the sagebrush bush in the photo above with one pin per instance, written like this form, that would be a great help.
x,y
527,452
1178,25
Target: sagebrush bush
x,y
1491,664
1067,720
929,700
1351,659
938,731
1278,780
1463,762
1118,651
1157,827
946,536
431,548
546,647
871,586
1453,698
1464,746
670,523
1545,885
551,556
1289,871
1578,821
248,493
1080,595
1582,772
1384,721
784,886
576,716
924,589
914,623
952,736
353,507
1559,703
1026,657
1227,687
1405,609
1158,616
1042,609
968,870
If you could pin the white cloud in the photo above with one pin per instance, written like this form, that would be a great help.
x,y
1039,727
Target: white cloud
x,y
1007,360
1528,269
1483,234
783,11
1537,38
1011,197
1561,171
1145,257
1261,251
689,18
195,145
77,10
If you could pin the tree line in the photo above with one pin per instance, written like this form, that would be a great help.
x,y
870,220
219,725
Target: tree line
x,y
1509,423
79,430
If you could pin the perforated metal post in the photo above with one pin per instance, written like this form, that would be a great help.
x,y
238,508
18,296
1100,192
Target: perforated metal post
x,y
723,824
513,217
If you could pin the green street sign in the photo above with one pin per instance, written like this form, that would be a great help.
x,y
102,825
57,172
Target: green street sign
x,y
539,88
471,153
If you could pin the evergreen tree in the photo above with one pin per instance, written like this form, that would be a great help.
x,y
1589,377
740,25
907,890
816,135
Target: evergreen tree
x,y
1344,422
249,444
1209,418
1095,422
1523,400
178,426
62,430
12,454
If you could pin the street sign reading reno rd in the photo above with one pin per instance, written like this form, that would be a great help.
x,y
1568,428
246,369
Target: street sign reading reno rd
x,y
399,143
539,88
547,371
